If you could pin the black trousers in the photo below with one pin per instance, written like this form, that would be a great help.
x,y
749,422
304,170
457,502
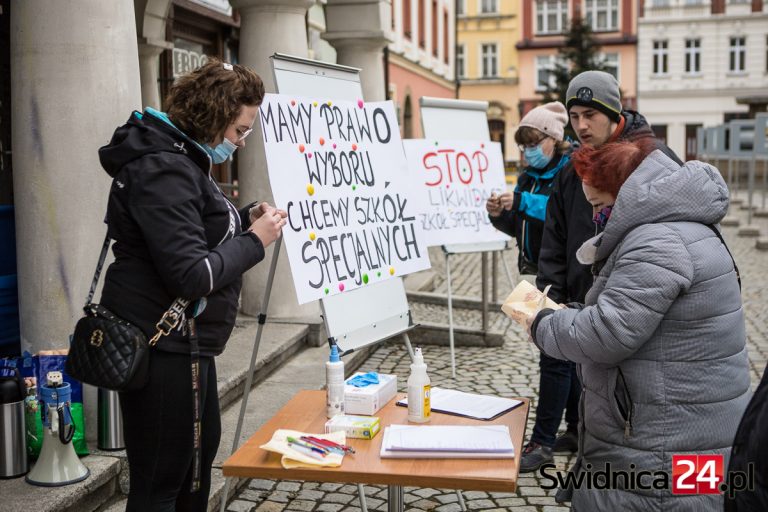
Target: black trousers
x,y
559,389
157,421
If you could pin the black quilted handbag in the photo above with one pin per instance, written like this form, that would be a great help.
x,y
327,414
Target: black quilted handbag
x,y
108,352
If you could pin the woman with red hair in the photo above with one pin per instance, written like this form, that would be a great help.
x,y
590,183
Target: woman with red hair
x,y
660,342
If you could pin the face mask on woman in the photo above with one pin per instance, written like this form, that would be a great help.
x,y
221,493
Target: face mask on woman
x,y
601,218
536,158
221,152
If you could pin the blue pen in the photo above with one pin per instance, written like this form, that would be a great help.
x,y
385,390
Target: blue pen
x,y
306,451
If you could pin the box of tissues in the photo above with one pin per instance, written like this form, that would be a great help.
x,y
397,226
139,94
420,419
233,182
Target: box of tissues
x,y
366,393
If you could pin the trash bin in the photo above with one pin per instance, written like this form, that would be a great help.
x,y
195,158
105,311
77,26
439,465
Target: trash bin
x,y
110,421
13,435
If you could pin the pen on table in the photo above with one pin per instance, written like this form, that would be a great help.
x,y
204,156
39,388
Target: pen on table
x,y
295,442
320,443
305,450
330,444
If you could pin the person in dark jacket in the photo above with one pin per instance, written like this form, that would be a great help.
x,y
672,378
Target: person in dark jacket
x,y
177,235
750,448
521,214
594,107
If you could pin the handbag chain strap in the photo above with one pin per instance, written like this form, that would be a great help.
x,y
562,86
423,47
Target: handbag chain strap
x,y
167,322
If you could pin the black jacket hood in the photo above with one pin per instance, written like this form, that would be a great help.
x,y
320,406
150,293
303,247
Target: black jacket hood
x,y
145,133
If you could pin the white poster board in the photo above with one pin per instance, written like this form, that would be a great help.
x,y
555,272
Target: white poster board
x,y
451,182
338,169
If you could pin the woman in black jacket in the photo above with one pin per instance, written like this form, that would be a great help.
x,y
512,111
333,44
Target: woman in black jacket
x,y
521,214
177,235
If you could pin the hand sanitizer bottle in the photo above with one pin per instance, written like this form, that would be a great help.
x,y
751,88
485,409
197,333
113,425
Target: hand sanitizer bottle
x,y
418,390
334,383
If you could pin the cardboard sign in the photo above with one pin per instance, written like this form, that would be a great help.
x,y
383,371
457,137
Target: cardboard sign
x,y
451,182
338,169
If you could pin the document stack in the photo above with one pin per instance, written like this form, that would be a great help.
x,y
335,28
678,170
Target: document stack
x,y
447,441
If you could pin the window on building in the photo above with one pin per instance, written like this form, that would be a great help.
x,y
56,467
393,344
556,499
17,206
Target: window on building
x,y
496,129
693,56
435,18
460,7
407,31
551,16
461,72
489,6
737,54
545,78
603,15
422,14
660,131
490,60
446,39
691,147
610,62
660,58
407,118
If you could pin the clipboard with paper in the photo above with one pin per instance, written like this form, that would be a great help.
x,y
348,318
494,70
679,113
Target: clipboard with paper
x,y
468,405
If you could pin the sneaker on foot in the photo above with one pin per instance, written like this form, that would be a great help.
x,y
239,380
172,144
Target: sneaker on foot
x,y
534,456
567,442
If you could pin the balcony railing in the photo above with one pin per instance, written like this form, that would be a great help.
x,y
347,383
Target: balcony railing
x,y
676,8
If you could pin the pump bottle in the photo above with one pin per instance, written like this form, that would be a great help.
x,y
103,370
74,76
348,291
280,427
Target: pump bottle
x,y
334,383
418,390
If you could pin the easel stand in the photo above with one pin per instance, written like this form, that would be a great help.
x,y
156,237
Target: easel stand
x,y
249,375
483,249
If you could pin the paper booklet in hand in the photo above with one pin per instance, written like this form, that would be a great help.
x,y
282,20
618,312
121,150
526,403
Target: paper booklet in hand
x,y
526,300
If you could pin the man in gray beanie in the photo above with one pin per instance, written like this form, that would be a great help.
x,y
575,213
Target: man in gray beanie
x,y
593,101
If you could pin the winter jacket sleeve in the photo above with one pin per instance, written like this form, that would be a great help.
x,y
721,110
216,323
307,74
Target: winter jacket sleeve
x,y
167,203
505,222
652,268
245,216
553,267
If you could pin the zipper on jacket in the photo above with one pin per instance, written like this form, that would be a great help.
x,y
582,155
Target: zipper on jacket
x,y
529,257
629,406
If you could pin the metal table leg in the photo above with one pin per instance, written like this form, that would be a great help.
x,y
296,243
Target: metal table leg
x,y
395,501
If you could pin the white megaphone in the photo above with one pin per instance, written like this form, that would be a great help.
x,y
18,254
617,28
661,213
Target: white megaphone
x,y
58,463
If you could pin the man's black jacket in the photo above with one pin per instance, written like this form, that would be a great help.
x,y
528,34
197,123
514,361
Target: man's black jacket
x,y
569,224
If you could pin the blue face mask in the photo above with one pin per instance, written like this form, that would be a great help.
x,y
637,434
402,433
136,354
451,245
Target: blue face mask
x,y
536,157
221,152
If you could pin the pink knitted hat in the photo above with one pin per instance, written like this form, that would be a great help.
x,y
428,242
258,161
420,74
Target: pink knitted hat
x,y
549,119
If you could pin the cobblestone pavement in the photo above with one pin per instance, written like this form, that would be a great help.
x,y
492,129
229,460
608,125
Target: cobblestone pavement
x,y
510,371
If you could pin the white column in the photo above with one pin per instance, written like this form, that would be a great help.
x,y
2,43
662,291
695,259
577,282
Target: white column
x,y
267,27
151,16
149,66
359,30
75,79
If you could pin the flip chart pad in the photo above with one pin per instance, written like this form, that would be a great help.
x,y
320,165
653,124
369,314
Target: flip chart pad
x,y
338,169
451,181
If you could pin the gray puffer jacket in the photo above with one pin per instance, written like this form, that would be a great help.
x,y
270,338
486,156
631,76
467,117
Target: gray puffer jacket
x,y
661,340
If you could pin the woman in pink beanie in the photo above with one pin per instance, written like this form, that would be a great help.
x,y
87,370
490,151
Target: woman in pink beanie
x,y
521,214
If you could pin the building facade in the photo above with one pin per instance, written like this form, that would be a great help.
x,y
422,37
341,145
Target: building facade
x,y
487,64
701,63
420,58
543,25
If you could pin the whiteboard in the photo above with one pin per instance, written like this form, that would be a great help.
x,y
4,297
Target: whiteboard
x,y
443,118
378,311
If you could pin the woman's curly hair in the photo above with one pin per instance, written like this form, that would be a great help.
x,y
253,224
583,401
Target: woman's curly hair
x,y
206,101
608,166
